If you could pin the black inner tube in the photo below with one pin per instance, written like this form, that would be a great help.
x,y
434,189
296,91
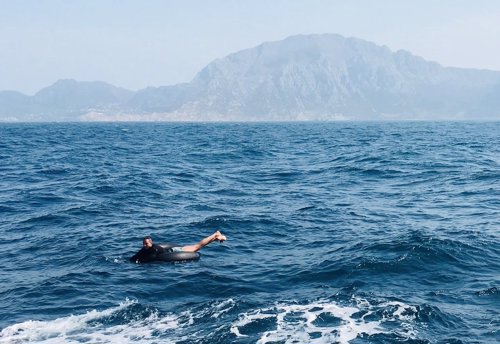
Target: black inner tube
x,y
169,256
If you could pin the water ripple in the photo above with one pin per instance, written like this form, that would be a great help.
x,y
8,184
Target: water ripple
x,y
338,232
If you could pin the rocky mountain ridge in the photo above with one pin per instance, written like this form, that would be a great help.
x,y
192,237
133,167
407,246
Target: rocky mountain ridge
x,y
305,77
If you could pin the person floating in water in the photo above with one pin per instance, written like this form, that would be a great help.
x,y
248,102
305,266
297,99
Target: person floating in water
x,y
150,251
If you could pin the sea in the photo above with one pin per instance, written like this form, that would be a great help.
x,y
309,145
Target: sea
x,y
337,232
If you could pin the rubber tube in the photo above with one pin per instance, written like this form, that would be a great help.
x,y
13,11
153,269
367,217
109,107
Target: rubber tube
x,y
168,256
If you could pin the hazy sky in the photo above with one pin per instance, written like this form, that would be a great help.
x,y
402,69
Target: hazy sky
x,y
140,43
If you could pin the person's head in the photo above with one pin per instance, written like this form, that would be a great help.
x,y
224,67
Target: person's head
x,y
147,242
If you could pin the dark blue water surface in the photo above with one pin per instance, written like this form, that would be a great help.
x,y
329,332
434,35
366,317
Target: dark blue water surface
x,y
337,232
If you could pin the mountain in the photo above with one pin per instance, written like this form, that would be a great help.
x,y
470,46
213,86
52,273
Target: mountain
x,y
13,105
65,100
329,76
304,77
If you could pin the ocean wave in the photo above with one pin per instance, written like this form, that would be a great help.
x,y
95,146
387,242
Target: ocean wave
x,y
493,291
129,322
326,321
401,215
320,321
121,324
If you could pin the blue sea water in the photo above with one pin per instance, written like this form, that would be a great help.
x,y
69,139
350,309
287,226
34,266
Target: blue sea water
x,y
337,232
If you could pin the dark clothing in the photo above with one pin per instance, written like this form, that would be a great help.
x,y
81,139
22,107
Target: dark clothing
x,y
147,254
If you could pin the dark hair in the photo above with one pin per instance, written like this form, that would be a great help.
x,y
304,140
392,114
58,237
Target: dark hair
x,y
147,238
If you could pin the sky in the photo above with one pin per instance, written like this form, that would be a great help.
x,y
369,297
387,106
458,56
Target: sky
x,y
139,43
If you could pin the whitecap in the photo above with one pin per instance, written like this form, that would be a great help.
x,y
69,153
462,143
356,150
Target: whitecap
x,y
325,322
87,328
298,323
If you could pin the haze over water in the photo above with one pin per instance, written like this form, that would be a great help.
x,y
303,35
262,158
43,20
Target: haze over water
x,y
337,232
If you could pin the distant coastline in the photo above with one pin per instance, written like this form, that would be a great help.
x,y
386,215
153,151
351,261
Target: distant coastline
x,y
301,78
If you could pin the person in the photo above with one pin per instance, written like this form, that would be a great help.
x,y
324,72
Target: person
x,y
150,251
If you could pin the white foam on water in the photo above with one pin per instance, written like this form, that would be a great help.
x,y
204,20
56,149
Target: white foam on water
x,y
91,327
319,322
247,319
324,322
295,324
400,309
116,260
403,313
80,329
222,307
